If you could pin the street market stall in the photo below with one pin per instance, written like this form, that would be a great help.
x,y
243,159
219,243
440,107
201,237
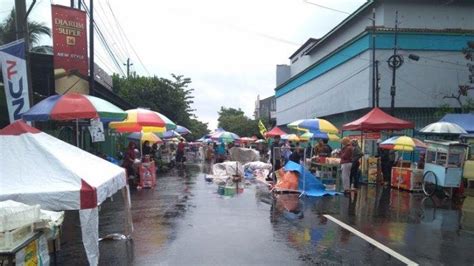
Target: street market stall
x,y
28,234
40,169
144,121
405,175
374,121
443,166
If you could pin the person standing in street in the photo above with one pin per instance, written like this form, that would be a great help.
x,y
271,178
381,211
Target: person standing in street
x,y
275,155
356,155
180,153
346,163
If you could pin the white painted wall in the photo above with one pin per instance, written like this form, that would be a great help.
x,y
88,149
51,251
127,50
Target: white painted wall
x,y
430,14
328,94
423,83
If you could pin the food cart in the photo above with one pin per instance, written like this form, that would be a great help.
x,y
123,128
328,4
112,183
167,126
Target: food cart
x,y
444,164
468,172
406,176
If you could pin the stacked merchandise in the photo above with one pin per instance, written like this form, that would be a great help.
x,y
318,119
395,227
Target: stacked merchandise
x,y
19,224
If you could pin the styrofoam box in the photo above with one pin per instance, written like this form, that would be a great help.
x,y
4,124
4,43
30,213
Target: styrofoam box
x,y
13,238
14,218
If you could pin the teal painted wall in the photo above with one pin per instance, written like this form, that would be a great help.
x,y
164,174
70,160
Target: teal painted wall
x,y
407,41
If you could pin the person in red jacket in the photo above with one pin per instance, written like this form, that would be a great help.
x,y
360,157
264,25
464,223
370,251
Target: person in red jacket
x,y
346,163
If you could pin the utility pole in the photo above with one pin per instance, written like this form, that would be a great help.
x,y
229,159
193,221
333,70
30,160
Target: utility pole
x,y
374,78
377,84
21,21
91,48
395,61
128,64
72,3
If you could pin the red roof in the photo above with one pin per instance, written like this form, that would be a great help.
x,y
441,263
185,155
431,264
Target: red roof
x,y
276,131
17,128
378,120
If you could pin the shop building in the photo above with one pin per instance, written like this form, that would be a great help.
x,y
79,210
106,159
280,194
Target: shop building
x,y
265,109
332,77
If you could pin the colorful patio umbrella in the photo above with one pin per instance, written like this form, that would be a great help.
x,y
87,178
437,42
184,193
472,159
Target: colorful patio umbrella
x,y
182,130
144,136
143,120
169,134
290,137
316,124
319,135
73,106
247,139
403,143
225,136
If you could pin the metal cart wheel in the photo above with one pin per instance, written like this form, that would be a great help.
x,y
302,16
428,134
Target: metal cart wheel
x,y
430,182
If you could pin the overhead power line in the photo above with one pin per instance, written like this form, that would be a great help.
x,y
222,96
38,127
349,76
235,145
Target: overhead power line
x,y
104,42
326,7
126,38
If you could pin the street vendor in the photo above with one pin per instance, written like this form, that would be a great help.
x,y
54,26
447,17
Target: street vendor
x,y
356,156
323,149
346,163
129,159
147,150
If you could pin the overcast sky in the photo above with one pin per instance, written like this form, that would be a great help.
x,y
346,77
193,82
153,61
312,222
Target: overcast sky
x,y
228,48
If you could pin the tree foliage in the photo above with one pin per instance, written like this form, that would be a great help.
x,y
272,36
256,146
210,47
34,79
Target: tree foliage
x,y
8,30
466,103
171,97
234,120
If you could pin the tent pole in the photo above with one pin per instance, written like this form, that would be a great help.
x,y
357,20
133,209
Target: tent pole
x,y
77,132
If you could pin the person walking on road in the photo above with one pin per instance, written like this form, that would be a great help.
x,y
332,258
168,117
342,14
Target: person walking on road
x,y
356,155
346,163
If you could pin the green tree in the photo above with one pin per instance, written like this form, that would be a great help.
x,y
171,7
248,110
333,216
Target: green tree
x,y
234,120
171,97
8,30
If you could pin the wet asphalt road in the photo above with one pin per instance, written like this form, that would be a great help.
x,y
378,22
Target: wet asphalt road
x,y
183,221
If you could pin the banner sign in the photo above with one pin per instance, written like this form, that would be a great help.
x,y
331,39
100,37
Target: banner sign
x,y
367,136
70,40
262,128
97,130
15,79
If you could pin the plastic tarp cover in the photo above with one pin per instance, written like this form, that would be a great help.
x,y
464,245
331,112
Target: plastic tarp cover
x,y
466,121
228,168
308,184
244,155
90,233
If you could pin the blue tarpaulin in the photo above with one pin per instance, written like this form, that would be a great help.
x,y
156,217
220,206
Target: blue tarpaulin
x,y
466,121
308,184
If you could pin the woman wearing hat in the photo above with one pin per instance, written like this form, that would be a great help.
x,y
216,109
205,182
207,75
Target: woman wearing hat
x,y
346,163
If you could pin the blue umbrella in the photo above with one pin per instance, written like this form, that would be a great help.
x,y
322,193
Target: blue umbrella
x,y
169,134
182,130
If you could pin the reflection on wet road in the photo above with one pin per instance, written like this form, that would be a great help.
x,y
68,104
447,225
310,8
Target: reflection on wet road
x,y
183,221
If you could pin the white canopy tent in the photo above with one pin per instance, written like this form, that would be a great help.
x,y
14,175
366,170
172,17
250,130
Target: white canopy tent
x,y
37,168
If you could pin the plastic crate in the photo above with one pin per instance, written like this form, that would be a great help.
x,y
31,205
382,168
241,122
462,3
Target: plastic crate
x,y
15,217
13,238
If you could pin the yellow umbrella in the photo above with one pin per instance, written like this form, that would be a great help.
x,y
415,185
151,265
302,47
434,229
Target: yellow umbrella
x,y
144,136
290,137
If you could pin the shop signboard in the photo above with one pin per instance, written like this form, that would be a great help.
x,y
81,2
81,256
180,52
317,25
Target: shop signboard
x,y
15,78
70,49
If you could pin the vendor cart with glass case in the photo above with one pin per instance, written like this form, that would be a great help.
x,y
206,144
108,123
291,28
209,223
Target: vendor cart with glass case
x,y
444,163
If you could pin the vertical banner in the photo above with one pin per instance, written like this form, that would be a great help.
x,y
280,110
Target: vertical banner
x,y
15,79
70,49
261,128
